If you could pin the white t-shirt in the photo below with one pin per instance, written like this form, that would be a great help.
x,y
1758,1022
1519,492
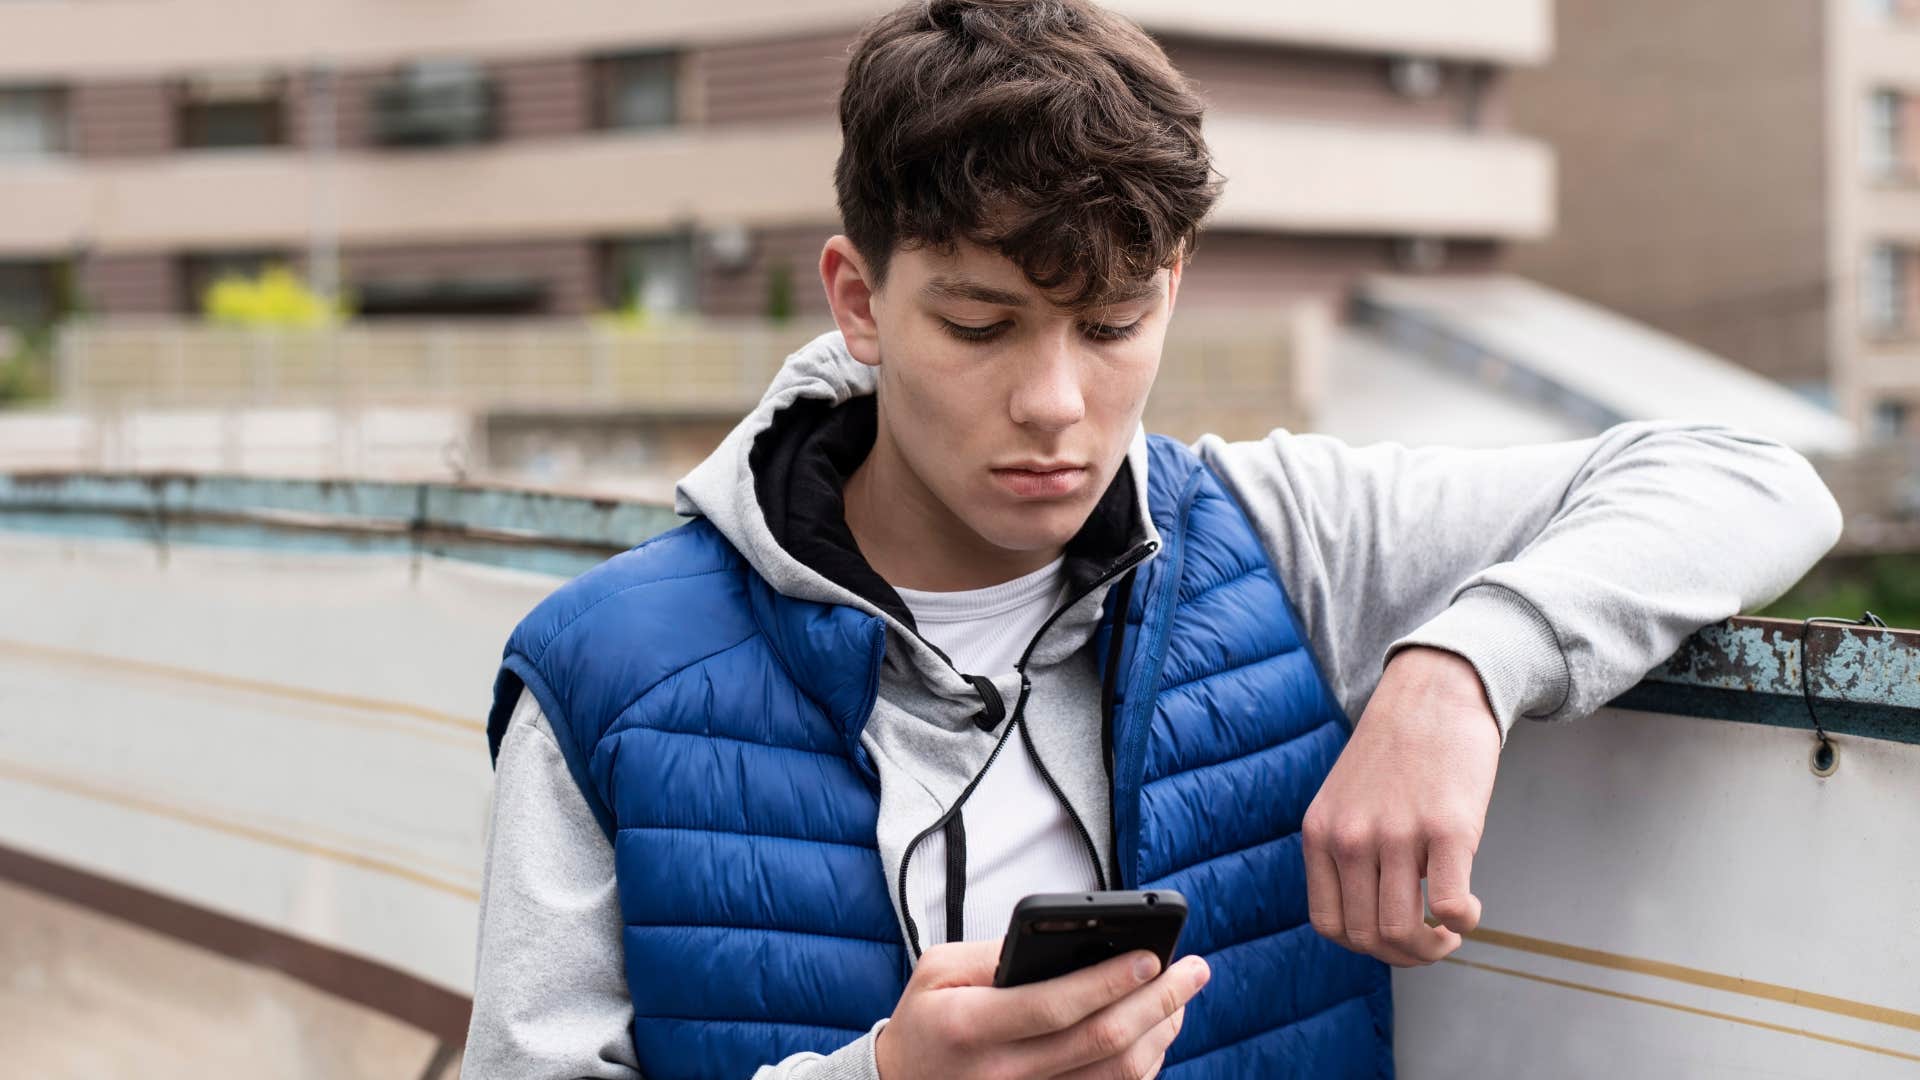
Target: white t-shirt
x,y
1020,839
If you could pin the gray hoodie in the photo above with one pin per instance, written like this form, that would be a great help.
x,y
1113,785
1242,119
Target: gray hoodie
x,y
1562,572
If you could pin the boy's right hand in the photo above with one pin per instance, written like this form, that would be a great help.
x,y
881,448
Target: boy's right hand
x,y
1112,1020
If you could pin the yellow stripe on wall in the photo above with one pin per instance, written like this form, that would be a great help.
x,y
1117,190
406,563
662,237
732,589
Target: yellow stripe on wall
x,y
145,805
1677,1007
1710,980
301,694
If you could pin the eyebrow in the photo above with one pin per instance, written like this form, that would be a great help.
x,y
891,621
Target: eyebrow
x,y
959,287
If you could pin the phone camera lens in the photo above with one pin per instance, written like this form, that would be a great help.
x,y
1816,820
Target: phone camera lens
x,y
1152,899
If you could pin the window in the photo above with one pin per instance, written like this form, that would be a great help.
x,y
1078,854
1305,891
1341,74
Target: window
x,y
1890,419
33,121
638,90
654,274
1885,142
477,293
232,110
1888,289
1889,11
435,103
28,293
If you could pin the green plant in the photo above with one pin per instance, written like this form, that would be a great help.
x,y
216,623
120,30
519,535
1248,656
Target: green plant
x,y
1887,585
26,370
780,291
278,297
630,317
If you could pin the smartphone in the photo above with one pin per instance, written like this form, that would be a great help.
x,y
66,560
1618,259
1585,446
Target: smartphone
x,y
1055,933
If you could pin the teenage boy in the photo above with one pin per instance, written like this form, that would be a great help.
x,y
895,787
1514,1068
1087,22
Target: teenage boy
x,y
948,628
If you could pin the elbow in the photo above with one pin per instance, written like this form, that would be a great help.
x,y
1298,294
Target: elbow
x,y
1805,507
1825,513
1790,500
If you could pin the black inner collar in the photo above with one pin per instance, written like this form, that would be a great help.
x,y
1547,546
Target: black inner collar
x,y
800,468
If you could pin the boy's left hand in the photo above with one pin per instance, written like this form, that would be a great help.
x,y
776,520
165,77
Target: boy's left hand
x,y
1407,800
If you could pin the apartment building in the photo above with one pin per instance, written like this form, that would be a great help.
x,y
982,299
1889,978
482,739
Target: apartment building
x,y
492,157
1745,176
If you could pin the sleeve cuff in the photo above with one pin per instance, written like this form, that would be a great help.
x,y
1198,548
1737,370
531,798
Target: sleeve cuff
x,y
854,1061
1510,645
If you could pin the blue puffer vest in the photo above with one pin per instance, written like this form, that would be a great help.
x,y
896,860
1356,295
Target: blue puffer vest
x,y
714,726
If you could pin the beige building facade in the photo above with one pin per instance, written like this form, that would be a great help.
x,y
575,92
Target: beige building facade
x,y
1747,177
493,157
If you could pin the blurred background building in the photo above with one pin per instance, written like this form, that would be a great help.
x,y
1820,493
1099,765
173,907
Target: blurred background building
x,y
1756,193
503,201
564,245
590,155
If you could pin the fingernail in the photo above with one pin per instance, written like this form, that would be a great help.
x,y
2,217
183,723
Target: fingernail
x,y
1144,968
1206,972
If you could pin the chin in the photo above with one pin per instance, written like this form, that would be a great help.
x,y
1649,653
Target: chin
x,y
1034,527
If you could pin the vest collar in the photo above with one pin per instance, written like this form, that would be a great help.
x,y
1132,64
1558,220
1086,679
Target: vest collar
x,y
801,465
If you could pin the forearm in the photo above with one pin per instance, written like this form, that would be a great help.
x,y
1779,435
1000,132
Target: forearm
x,y
1666,530
1562,571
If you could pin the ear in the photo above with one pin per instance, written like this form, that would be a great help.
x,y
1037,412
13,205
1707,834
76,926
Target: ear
x,y
1173,282
844,273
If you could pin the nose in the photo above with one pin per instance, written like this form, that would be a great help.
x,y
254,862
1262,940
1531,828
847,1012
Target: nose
x,y
1048,395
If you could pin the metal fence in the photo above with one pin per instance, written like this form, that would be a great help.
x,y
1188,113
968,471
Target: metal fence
x,y
187,364
1243,376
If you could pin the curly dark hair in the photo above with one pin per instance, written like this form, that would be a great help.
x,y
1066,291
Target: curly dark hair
x,y
1052,131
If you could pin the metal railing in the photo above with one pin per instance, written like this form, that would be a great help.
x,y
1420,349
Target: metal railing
x,y
1242,376
179,363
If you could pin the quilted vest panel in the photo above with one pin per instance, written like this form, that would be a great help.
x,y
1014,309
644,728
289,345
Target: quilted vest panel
x,y
1224,731
714,726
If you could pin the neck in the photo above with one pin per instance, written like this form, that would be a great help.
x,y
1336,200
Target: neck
x,y
913,541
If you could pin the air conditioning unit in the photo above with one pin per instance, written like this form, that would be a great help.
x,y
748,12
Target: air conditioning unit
x,y
730,247
220,87
1419,254
434,103
1416,77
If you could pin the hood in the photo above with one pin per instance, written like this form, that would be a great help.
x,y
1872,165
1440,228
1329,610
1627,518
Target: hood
x,y
774,488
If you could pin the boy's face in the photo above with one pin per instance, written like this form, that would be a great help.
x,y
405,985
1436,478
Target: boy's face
x,y
1010,414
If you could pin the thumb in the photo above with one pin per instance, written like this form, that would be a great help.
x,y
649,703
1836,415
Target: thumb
x,y
1450,887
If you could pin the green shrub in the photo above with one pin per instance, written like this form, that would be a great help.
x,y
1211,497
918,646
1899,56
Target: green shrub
x,y
278,297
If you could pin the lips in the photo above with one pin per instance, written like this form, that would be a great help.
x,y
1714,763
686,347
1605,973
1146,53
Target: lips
x,y
1042,481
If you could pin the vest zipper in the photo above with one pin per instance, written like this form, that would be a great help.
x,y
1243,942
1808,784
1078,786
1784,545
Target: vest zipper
x,y
1110,711
956,897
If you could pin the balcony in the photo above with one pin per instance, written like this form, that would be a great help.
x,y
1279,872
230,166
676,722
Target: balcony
x,y
69,41
1685,872
1891,363
1499,31
577,186
1325,177
1887,54
1891,208
1288,175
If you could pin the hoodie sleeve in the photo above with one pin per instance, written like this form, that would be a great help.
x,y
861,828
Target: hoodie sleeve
x,y
550,994
1563,572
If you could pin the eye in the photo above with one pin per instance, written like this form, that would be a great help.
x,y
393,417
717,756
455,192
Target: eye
x,y
1114,333
972,333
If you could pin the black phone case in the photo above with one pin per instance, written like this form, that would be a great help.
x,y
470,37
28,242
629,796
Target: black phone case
x,y
1052,934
